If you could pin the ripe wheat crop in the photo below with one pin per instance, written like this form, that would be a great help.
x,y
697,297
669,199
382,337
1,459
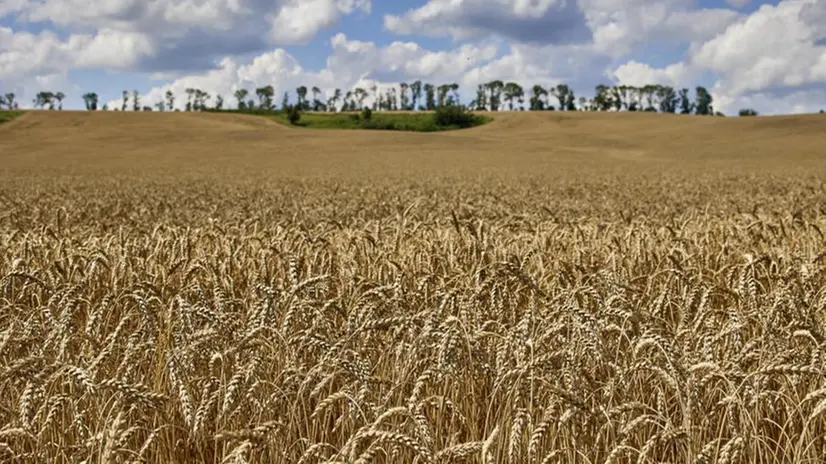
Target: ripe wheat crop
x,y
590,316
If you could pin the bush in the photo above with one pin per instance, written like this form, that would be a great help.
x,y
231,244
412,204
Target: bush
x,y
454,116
366,114
748,112
293,114
379,125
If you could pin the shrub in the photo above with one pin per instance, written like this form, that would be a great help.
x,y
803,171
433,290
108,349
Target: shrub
x,y
366,114
293,114
748,112
379,124
454,116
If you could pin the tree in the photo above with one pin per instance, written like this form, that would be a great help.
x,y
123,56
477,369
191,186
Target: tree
x,y
481,102
125,99
375,91
42,99
285,101
219,102
602,98
561,92
441,94
570,98
650,92
265,95
332,103
430,97
748,112
10,103
416,94
495,99
686,106
359,94
136,103
59,96
703,102
454,94
392,102
405,100
668,99
159,105
190,92
202,97
293,113
536,103
301,92
170,100
512,90
240,95
317,103
91,101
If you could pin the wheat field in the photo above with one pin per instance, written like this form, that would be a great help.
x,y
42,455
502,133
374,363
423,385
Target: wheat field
x,y
547,288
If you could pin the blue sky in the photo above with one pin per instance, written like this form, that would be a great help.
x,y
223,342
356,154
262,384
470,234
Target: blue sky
x,y
768,55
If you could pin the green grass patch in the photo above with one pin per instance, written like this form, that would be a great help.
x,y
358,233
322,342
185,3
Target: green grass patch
x,y
8,115
378,120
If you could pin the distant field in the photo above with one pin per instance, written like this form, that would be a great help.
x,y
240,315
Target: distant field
x,y
548,287
413,121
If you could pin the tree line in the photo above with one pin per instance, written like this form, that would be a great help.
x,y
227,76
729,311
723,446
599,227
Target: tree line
x,y
492,96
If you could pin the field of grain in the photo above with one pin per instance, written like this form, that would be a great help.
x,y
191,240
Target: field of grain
x,y
547,288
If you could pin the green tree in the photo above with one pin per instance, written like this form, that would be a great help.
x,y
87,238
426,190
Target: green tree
x,y
561,93
359,94
511,91
495,94
668,99
405,99
686,106
59,96
91,101
159,105
42,99
703,101
285,101
219,102
392,101
602,98
441,94
430,97
748,112
301,93
570,99
124,100
481,101
240,95
190,92
453,99
265,95
170,100
9,99
538,94
415,94
332,103
136,102
317,103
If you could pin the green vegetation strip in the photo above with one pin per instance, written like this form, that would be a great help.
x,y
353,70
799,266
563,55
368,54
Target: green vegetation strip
x,y
443,119
6,116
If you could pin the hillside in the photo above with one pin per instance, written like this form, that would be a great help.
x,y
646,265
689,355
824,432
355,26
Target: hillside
x,y
520,142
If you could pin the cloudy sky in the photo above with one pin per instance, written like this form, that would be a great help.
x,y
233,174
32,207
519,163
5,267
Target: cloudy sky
x,y
767,55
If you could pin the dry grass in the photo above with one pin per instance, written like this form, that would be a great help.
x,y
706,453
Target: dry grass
x,y
546,288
